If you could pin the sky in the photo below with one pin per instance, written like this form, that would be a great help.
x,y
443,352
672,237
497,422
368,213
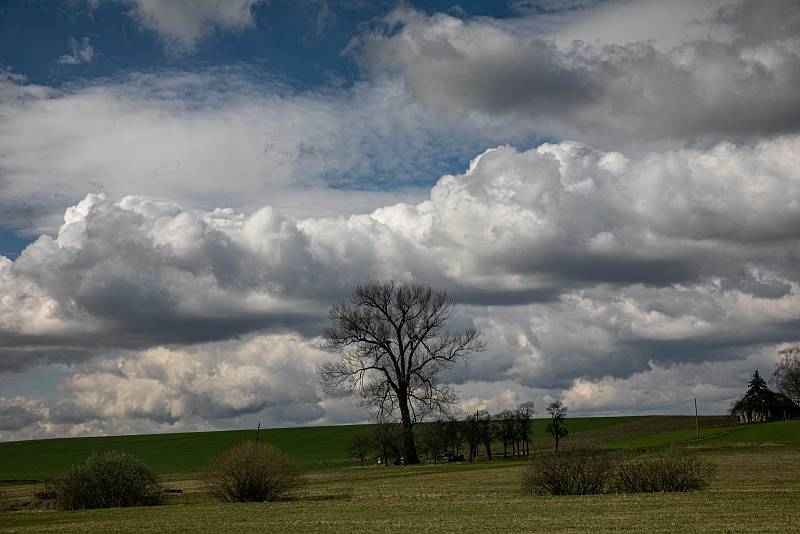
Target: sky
x,y
609,190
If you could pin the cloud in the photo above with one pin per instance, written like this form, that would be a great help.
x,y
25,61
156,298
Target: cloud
x,y
17,413
182,24
175,134
734,81
574,261
526,7
267,378
82,52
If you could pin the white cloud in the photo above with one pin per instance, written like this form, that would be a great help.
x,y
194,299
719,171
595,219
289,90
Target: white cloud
x,y
182,24
267,378
82,52
216,137
575,261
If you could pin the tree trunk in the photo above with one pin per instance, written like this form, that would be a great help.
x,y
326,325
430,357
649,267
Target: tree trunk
x,y
408,434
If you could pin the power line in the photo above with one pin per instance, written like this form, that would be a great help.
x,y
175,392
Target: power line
x,y
700,402
651,409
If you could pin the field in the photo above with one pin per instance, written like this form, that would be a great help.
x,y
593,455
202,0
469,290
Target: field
x,y
174,454
756,488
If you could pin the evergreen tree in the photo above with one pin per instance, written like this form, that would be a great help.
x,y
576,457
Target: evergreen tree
x,y
760,403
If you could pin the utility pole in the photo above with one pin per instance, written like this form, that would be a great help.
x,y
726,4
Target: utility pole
x,y
696,419
258,431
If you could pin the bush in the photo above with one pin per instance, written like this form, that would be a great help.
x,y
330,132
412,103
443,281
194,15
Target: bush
x,y
573,472
667,472
106,480
251,472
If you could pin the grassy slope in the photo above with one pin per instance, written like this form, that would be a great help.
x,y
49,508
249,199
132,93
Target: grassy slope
x,y
171,453
786,432
188,452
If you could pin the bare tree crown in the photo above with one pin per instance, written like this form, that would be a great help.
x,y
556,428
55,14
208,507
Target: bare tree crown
x,y
393,342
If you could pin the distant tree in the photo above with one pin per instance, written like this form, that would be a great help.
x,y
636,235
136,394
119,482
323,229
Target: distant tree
x,y
557,425
455,439
470,432
360,447
787,373
433,438
393,342
523,415
387,441
507,430
754,405
486,431
760,404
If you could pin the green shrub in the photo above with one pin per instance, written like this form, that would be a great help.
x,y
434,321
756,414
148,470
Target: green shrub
x,y
572,472
251,472
106,480
669,472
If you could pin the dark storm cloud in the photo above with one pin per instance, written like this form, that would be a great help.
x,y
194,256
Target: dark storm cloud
x,y
16,415
739,84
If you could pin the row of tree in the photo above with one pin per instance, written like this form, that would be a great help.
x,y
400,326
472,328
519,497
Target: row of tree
x,y
449,439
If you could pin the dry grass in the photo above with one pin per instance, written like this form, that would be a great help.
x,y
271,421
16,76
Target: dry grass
x,y
756,490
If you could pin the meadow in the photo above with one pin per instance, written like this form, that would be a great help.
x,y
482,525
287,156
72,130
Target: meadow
x,y
756,488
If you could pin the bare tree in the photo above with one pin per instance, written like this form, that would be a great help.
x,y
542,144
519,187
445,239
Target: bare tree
x,y
557,425
524,413
472,435
386,440
393,342
455,440
434,439
486,431
359,447
507,430
787,373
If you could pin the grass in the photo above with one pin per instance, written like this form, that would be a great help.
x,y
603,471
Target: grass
x,y
756,489
178,453
780,432
183,453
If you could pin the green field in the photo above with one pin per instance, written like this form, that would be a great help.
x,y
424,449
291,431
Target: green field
x,y
756,489
783,432
170,454
173,453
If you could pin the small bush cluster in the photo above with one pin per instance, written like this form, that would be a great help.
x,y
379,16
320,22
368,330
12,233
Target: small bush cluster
x,y
667,472
574,472
251,472
106,480
593,471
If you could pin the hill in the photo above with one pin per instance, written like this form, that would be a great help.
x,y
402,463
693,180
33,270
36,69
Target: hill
x,y
180,454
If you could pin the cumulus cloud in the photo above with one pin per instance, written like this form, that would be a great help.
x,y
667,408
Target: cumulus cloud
x,y
267,378
574,261
182,24
736,80
82,52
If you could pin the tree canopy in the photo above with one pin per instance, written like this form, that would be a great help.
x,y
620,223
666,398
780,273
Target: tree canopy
x,y
393,342
760,403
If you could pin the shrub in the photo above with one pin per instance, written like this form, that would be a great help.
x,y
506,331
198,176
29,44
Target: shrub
x,y
669,472
573,472
106,480
251,472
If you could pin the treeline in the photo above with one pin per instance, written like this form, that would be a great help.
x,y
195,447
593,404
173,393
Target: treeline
x,y
453,440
